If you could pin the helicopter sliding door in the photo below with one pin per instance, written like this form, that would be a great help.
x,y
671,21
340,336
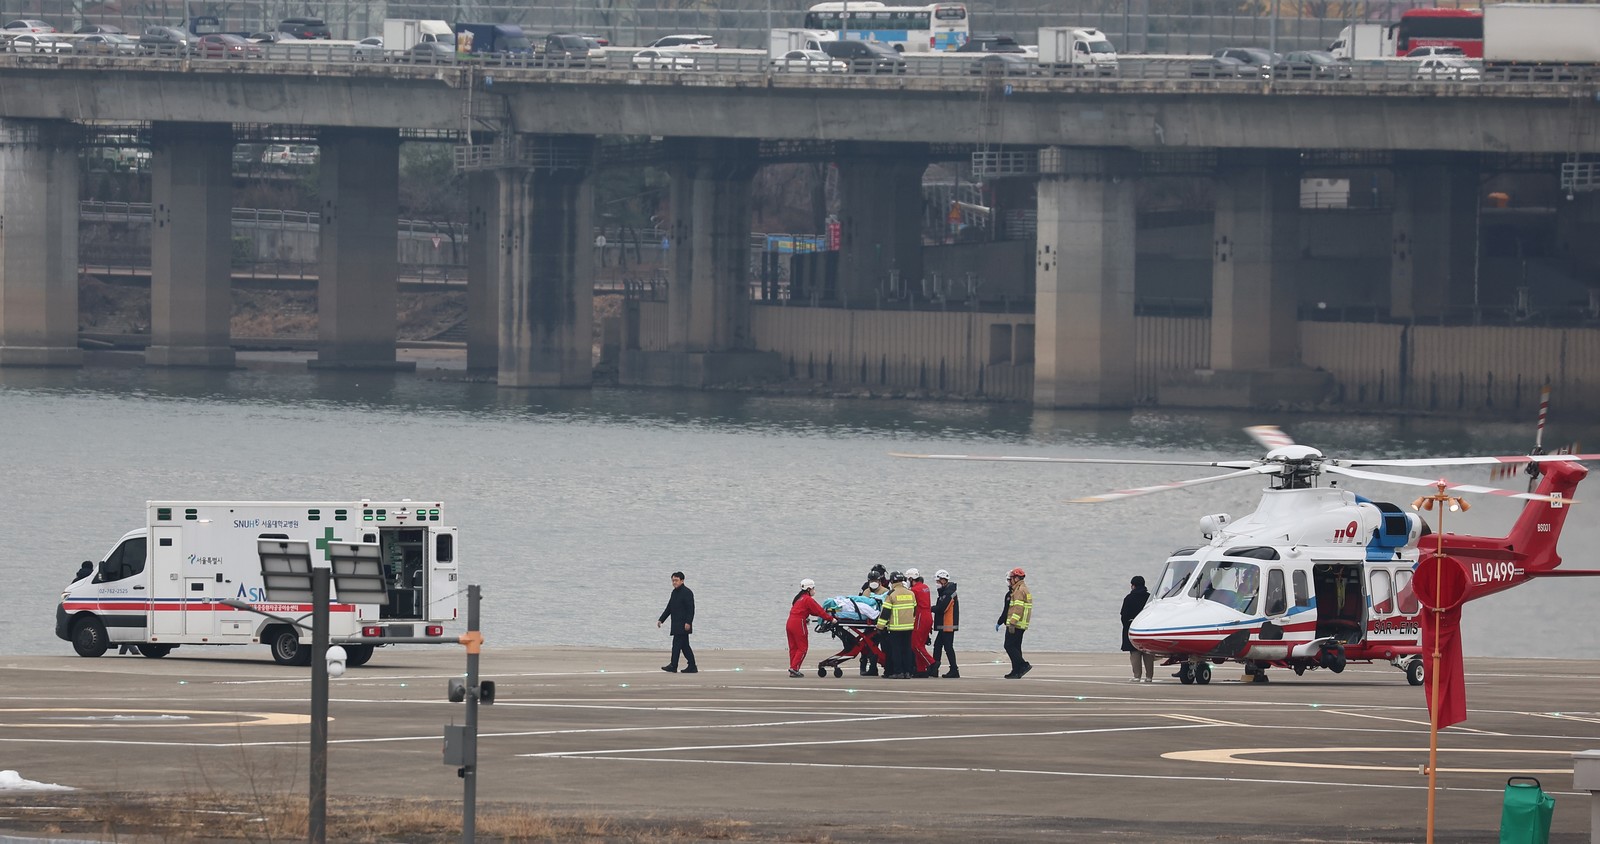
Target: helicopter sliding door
x,y
1341,603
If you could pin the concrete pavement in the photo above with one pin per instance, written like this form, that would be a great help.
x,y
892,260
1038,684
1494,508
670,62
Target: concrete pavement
x,y
1072,752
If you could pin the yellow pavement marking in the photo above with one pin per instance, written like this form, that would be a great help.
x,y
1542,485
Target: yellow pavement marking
x,y
240,719
1235,756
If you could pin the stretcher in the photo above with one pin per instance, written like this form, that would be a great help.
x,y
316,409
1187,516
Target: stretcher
x,y
856,637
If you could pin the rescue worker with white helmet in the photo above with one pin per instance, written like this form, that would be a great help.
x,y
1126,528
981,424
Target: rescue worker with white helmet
x,y
946,621
801,609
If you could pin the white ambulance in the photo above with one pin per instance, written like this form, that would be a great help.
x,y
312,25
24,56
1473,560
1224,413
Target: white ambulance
x,y
163,585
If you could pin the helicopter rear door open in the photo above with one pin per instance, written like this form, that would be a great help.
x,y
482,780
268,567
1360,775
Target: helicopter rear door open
x,y
1341,601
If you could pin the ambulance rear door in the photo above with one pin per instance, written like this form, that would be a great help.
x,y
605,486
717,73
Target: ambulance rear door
x,y
443,575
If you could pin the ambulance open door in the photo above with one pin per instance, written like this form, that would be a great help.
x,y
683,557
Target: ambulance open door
x,y
443,575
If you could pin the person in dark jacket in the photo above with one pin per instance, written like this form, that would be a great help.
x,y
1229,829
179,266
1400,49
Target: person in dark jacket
x,y
1132,603
680,608
875,586
946,620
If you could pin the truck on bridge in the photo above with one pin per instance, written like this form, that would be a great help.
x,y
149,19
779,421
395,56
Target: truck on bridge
x,y
401,34
1074,50
496,38
1364,41
1524,41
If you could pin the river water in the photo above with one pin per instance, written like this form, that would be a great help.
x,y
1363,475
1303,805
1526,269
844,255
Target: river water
x,y
574,506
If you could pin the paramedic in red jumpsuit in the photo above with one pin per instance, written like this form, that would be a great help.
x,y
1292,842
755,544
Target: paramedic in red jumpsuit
x,y
801,609
924,628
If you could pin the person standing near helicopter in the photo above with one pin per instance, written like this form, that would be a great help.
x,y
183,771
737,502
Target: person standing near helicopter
x,y
801,609
1132,603
1015,618
924,624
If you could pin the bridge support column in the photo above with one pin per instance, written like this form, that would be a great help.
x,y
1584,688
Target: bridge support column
x,y
1435,234
546,301
708,299
358,264
38,244
485,268
1083,336
880,220
191,244
1255,357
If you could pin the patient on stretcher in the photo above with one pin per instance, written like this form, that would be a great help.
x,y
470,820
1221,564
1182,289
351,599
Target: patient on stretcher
x,y
853,607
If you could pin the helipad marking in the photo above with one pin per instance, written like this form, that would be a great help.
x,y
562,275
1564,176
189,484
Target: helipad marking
x,y
244,719
1236,756
1197,719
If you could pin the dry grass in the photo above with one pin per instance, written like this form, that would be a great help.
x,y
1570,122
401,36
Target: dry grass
x,y
271,819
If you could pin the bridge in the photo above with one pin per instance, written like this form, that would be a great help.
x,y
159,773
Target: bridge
x,y
529,137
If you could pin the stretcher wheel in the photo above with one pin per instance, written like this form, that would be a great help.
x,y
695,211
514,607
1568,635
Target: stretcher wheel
x,y
822,671
837,671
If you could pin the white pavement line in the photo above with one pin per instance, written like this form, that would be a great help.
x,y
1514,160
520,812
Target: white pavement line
x,y
871,740
1247,756
1078,774
1459,728
1557,716
721,710
598,675
1198,720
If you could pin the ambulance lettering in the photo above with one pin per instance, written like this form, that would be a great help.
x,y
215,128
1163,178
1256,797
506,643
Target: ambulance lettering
x,y
253,594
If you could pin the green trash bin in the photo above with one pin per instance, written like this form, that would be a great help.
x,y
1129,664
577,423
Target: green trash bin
x,y
1525,815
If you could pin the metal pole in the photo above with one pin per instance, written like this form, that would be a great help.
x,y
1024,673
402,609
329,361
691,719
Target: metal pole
x,y
317,830
844,21
469,775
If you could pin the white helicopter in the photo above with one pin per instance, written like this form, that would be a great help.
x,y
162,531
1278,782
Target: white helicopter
x,y
1319,576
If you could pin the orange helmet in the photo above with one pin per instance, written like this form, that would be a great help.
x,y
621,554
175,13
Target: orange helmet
x,y
1017,572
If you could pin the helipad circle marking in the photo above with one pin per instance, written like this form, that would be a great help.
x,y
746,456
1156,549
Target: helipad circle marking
x,y
1234,757
240,719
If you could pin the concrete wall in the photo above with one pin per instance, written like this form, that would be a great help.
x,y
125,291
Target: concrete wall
x,y
1441,368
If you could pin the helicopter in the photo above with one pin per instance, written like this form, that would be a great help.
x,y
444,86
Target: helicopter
x,y
1318,576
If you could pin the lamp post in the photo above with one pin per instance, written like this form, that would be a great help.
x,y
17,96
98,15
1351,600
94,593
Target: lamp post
x,y
1444,502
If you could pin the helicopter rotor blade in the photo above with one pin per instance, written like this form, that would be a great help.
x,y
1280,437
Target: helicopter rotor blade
x,y
1269,469
1449,487
1462,461
1221,464
1269,437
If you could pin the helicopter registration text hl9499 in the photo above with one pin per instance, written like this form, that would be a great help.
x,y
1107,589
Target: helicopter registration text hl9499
x,y
1320,576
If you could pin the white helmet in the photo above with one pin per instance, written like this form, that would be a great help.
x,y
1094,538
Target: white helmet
x,y
912,574
808,583
941,574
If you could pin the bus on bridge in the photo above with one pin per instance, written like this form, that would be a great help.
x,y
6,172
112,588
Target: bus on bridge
x,y
935,27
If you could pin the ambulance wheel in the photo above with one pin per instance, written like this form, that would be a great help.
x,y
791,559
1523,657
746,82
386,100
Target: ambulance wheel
x,y
1414,672
1186,674
356,656
1202,673
837,671
89,638
286,647
155,651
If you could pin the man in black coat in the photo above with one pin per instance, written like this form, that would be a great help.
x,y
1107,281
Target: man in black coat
x,y
1132,603
680,608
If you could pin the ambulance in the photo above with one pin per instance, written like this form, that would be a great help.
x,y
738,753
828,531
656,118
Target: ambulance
x,y
164,585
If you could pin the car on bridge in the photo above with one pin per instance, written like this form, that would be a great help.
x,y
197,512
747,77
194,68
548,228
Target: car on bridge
x,y
165,41
808,61
991,44
1435,50
430,52
866,56
30,25
224,45
1237,63
1311,64
106,44
696,41
1003,64
1447,68
662,59
305,28
98,29
31,42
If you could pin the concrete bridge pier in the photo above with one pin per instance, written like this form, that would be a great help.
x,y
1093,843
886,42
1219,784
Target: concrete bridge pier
x,y
1255,356
880,220
191,244
38,244
1084,259
484,269
546,255
358,264
1435,233
708,298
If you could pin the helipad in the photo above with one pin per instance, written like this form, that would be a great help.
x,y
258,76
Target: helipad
x,y
1072,752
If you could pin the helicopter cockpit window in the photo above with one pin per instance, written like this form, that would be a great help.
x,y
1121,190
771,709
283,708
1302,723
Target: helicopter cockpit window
x,y
1229,583
1174,578
1382,593
1406,596
1277,600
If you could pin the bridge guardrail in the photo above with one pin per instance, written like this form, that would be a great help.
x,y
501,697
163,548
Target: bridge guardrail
x,y
619,62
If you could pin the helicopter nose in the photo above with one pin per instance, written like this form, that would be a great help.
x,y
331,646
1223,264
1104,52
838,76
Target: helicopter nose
x,y
1183,626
